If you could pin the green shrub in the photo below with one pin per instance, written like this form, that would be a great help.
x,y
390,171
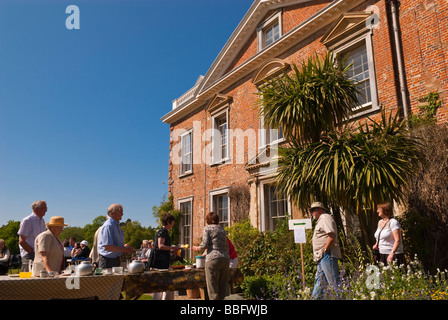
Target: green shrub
x,y
261,287
271,253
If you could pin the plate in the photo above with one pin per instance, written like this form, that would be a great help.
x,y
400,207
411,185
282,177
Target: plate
x,y
178,267
13,275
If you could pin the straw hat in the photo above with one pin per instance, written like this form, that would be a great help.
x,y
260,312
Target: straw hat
x,y
318,205
56,222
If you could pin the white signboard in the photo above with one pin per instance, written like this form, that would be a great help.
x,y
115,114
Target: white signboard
x,y
299,234
300,223
299,226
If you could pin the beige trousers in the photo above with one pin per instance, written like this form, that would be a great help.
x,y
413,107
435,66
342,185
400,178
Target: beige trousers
x,y
217,277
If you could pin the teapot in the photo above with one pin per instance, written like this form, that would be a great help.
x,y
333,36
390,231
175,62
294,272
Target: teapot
x,y
136,267
85,268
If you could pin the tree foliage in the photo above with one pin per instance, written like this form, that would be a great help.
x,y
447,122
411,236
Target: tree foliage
x,y
8,232
134,233
425,221
167,206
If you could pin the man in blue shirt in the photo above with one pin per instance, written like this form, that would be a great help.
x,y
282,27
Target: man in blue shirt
x,y
111,239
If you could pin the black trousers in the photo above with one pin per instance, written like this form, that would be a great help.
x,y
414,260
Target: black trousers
x,y
398,257
106,263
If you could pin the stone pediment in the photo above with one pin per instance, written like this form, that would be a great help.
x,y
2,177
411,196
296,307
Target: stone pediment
x,y
347,24
218,101
269,70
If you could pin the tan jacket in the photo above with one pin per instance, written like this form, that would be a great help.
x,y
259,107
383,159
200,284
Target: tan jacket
x,y
325,225
47,242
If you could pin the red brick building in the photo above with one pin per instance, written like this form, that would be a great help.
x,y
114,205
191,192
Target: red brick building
x,y
399,51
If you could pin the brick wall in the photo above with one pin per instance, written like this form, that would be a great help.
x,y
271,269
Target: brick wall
x,y
424,39
424,27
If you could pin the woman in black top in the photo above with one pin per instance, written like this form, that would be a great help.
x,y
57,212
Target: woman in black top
x,y
162,244
162,249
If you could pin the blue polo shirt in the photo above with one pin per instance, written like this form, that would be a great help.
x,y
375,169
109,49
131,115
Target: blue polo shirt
x,y
110,234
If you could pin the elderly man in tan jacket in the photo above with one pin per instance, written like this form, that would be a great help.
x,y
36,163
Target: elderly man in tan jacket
x,y
326,249
49,250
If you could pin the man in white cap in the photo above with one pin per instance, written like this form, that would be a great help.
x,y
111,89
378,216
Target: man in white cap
x,y
326,249
85,251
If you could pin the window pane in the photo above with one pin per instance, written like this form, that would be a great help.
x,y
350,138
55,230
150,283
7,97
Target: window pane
x,y
276,207
276,31
222,209
186,211
220,148
271,34
359,72
186,153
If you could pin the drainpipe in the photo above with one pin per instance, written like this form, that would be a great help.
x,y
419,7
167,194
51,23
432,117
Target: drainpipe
x,y
394,13
205,166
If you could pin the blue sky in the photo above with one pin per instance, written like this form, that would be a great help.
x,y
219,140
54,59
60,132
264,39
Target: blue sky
x,y
80,109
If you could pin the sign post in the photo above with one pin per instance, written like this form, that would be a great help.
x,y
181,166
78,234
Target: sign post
x,y
299,226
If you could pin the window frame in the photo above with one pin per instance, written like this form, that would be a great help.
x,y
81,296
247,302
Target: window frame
x,y
217,148
181,162
262,28
265,205
214,194
182,226
348,46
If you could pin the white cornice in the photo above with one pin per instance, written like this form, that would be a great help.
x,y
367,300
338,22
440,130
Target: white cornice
x,y
241,35
215,81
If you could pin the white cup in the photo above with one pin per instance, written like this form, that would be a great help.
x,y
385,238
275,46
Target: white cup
x,y
117,270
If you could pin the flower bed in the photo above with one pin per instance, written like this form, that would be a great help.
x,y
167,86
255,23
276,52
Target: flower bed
x,y
380,282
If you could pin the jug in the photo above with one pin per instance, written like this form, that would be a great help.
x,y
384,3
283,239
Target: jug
x,y
26,270
136,267
36,268
84,268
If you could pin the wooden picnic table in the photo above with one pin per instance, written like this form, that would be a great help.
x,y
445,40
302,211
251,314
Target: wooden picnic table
x,y
170,280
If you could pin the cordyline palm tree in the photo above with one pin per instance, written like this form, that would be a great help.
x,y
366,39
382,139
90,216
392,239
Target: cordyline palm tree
x,y
354,169
350,167
311,101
